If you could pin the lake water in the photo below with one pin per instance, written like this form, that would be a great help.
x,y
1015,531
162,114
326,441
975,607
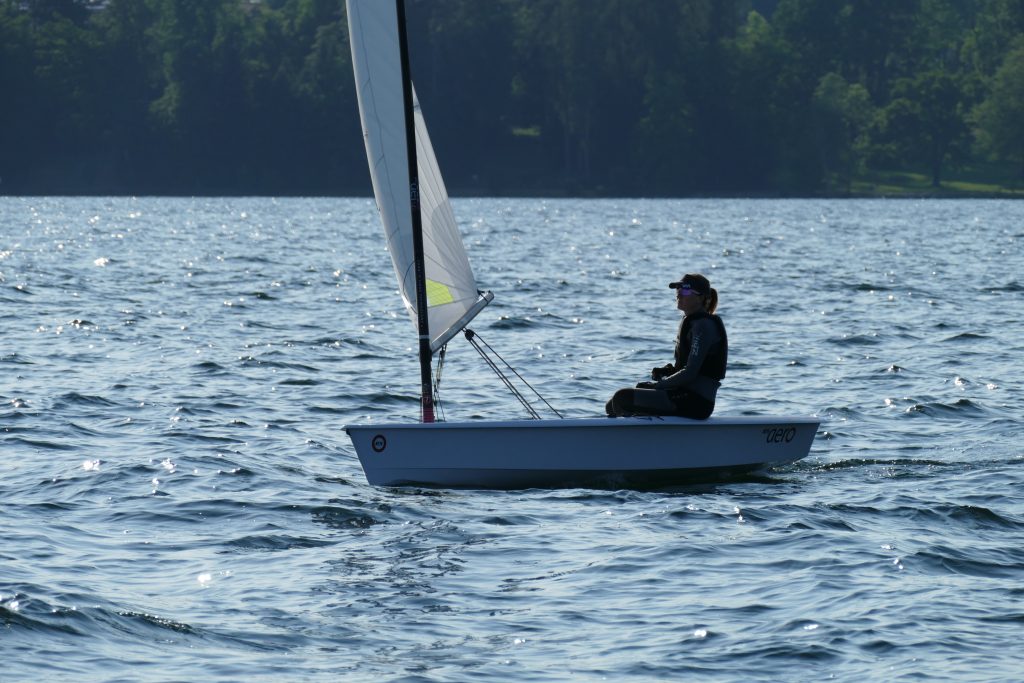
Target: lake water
x,y
178,500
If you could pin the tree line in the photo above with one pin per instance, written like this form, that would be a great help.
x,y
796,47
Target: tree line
x,y
575,97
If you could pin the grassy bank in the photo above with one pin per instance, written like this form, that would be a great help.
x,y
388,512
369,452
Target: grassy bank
x,y
986,180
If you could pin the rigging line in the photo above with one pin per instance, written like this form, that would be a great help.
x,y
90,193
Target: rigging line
x,y
521,378
508,383
437,381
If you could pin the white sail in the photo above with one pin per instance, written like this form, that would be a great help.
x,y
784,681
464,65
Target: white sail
x,y
452,295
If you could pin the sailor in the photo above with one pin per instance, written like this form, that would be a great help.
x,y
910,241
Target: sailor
x,y
688,386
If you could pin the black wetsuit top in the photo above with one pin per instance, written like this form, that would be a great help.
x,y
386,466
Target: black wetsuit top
x,y
701,355
717,356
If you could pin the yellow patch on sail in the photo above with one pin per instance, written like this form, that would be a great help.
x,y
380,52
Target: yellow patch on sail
x,y
438,294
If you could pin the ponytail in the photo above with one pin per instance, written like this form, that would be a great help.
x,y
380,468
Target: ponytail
x,y
711,301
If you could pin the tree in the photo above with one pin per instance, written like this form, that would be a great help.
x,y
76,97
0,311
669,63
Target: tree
x,y
753,59
667,157
842,114
474,107
927,120
17,87
65,106
1000,118
992,35
874,47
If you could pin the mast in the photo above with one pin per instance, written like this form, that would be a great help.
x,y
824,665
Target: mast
x,y
422,320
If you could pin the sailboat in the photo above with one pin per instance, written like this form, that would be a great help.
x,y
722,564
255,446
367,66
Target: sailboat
x,y
440,293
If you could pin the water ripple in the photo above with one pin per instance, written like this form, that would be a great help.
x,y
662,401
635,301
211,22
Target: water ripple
x,y
178,494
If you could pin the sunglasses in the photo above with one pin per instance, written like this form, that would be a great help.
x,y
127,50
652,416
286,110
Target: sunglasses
x,y
686,290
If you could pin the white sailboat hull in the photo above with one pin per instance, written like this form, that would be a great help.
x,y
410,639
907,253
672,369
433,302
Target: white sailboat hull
x,y
634,452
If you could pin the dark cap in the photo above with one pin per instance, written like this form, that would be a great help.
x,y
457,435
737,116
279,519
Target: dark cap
x,y
697,283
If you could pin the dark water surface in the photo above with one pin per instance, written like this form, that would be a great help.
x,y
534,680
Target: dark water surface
x,y
178,500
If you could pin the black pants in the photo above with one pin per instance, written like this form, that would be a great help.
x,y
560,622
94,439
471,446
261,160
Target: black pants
x,y
657,402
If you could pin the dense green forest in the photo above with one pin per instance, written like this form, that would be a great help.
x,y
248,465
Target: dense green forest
x,y
527,97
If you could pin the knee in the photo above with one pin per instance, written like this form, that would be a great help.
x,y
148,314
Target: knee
x,y
621,403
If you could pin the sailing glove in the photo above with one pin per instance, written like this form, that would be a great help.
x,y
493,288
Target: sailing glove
x,y
663,371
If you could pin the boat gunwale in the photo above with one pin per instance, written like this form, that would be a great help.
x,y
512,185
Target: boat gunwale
x,y
599,423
